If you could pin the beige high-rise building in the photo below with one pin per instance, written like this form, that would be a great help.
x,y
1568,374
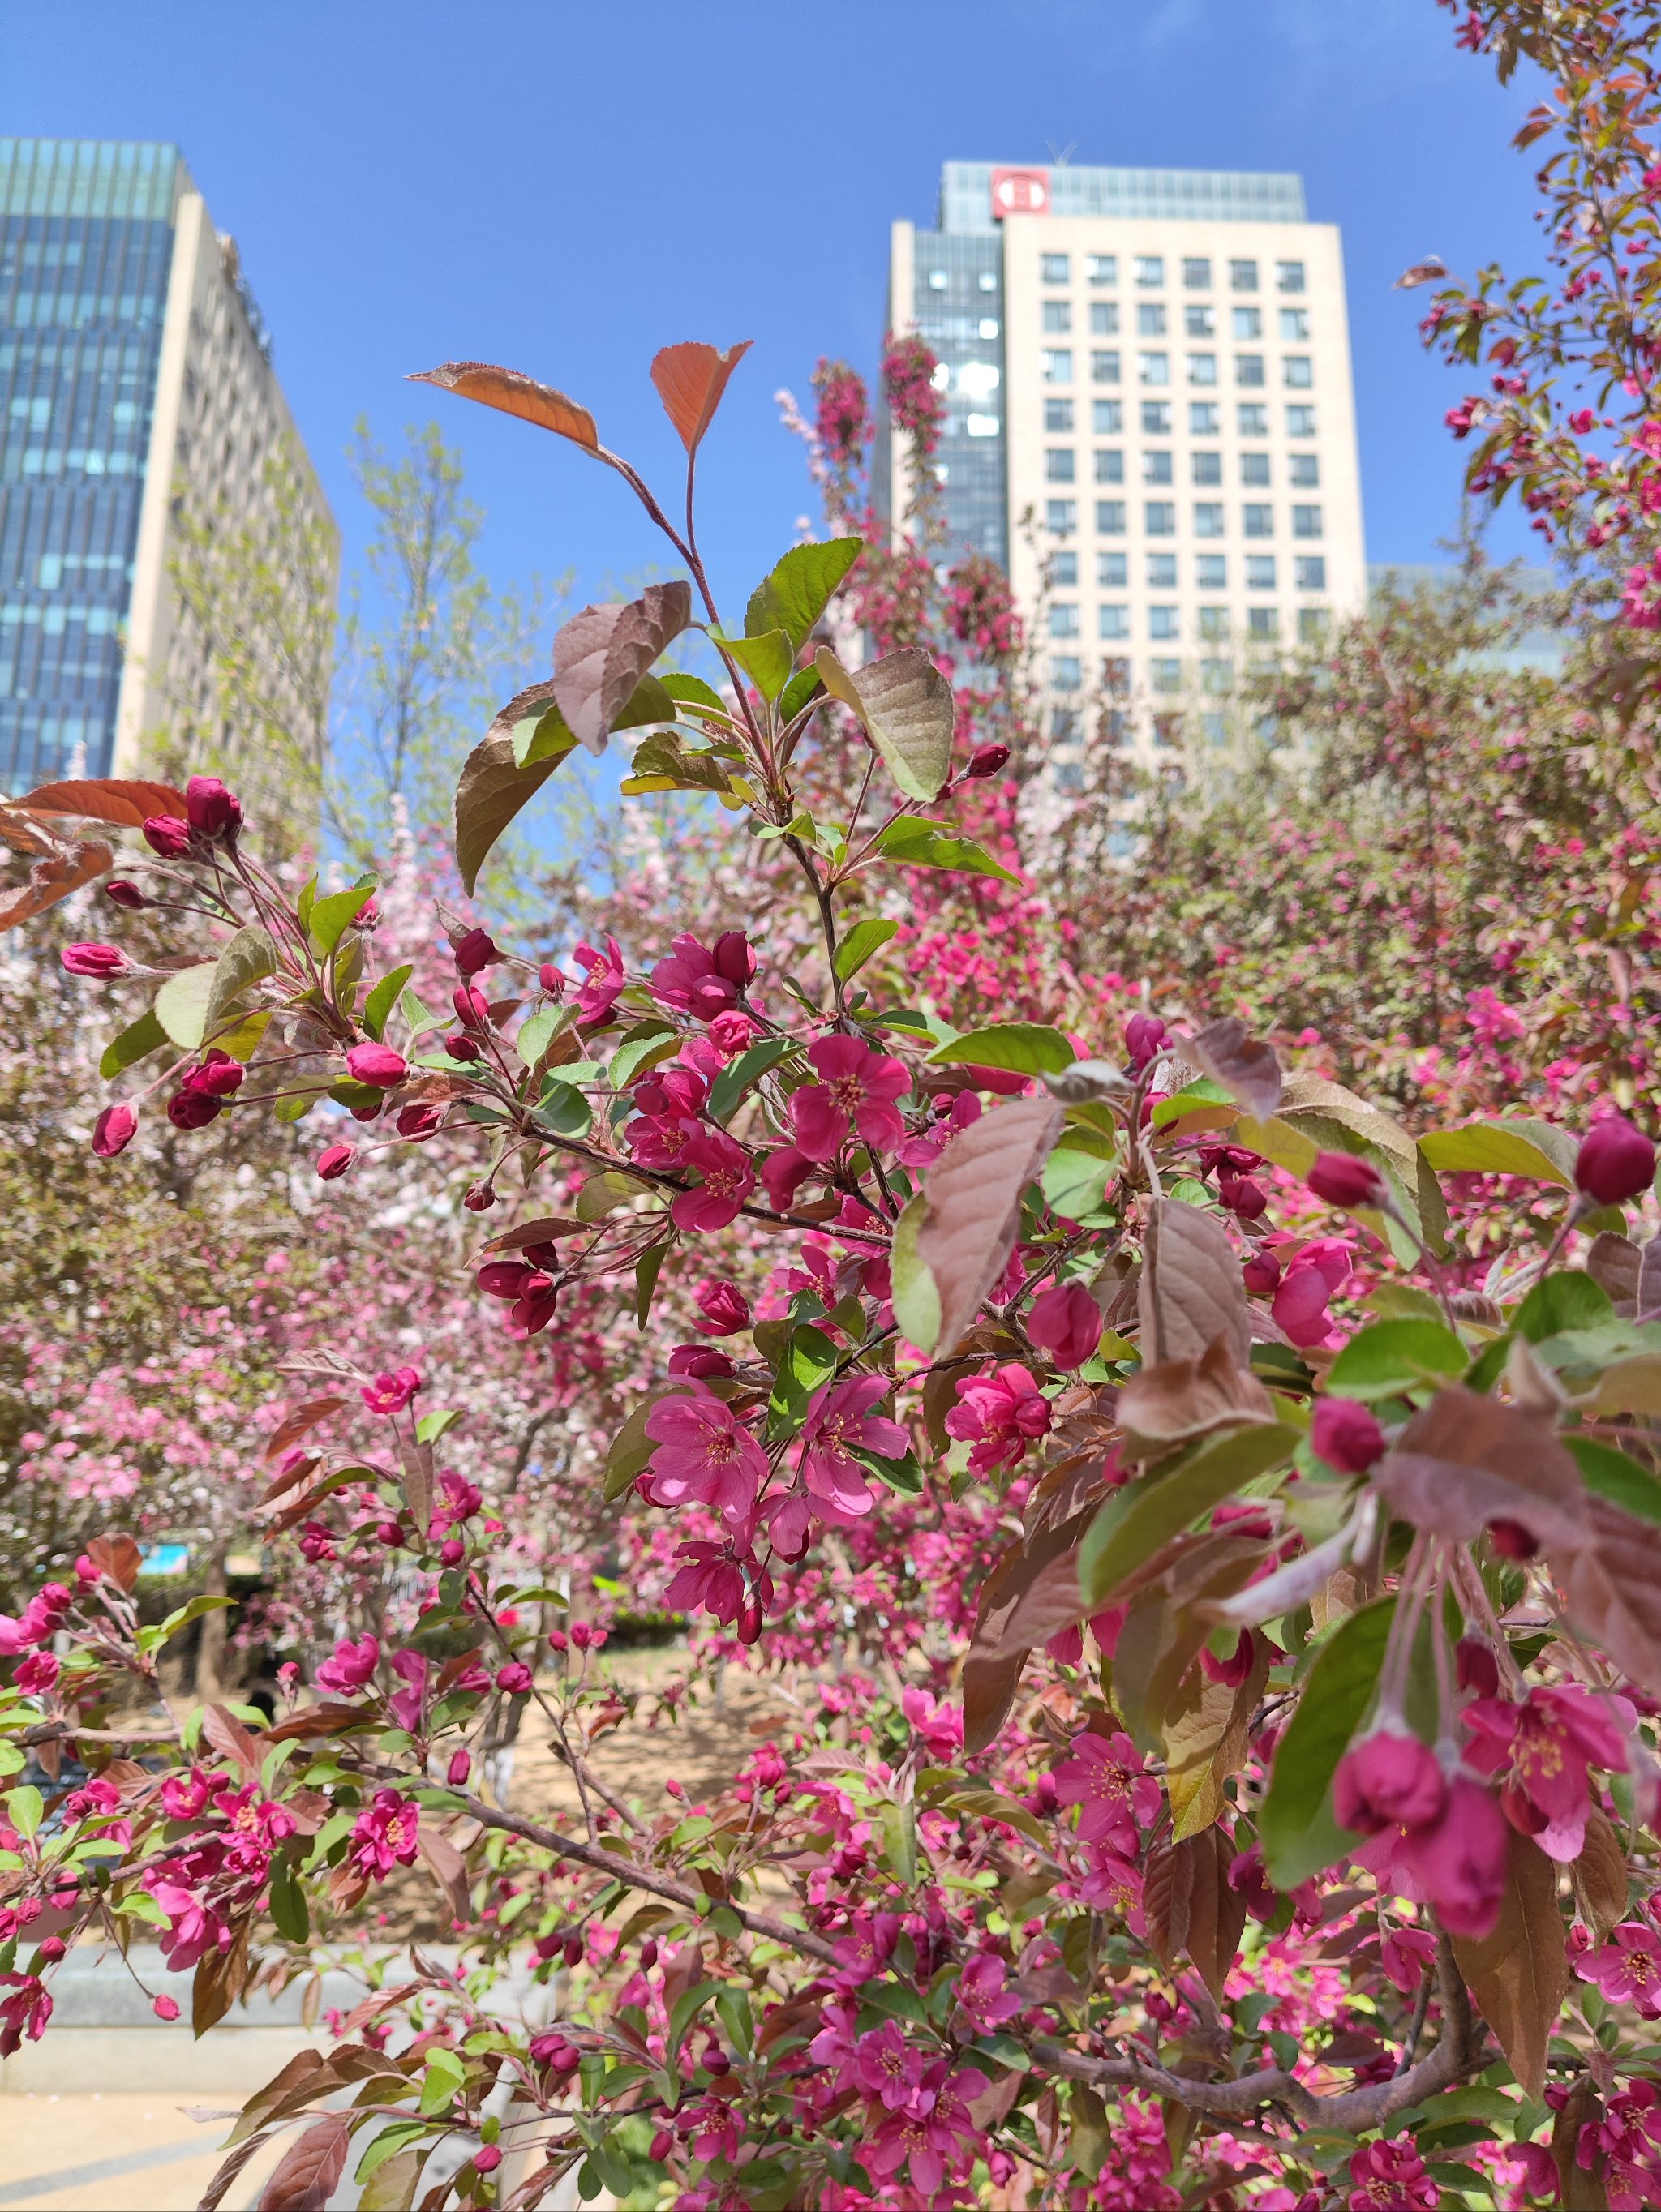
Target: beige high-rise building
x,y
140,412
1150,422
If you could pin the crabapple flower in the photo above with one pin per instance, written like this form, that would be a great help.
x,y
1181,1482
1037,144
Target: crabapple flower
x,y
927,2131
711,1581
727,1181
219,1076
1346,1435
376,1064
1388,1780
167,836
1405,1953
164,2007
938,1728
1616,1161
391,1393
1458,1863
857,1089
333,1161
113,1131
732,1030
474,951
1390,2177
387,1833
1345,1179
840,1422
1628,1968
193,1109
607,978
212,810
704,1452
514,1680
702,979
1261,1272
100,960
1145,1037
193,1929
1300,1305
783,1172
24,2015
1548,1742
724,1309
1066,1321
353,1665
984,1996
1103,1776
1002,1414
886,2067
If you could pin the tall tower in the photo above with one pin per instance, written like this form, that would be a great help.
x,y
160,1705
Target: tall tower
x,y
137,403
1150,421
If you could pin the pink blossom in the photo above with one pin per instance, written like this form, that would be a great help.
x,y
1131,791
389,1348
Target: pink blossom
x,y
839,1423
733,1032
1628,1968
886,2067
392,1392
723,1307
211,808
185,1797
35,1674
984,1997
928,2130
1405,1953
1103,1776
1390,2177
194,1929
1458,1863
387,1832
100,961
711,1581
727,1181
1548,1743
783,1172
937,1727
24,2015
858,1089
409,1703
1001,1414
353,1666
704,1452
113,1131
1388,1780
606,979
702,979
1066,1321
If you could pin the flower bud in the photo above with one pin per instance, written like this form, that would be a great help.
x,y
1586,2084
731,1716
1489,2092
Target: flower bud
x,y
1345,1434
750,1620
194,1109
52,1949
574,1949
333,1161
1616,1161
581,1634
419,1122
213,811
986,760
724,1308
662,2144
218,1077
514,1679
1242,1196
125,894
731,1030
460,1766
113,1131
1066,1321
1145,1036
1512,1540
1388,1781
376,1064
504,1279
99,960
472,1007
487,2158
734,957
166,834
649,1954
1479,1669
1261,1272
1346,1179
558,1639
474,952
164,2007
391,1534
460,1045
452,1552
480,1198
552,979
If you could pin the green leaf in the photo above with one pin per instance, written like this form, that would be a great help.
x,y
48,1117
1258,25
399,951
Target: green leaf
x,y
390,2167
142,1037
291,1915
1389,1356
686,2008
1515,1145
421,1021
538,1031
917,843
431,1426
1137,1520
544,735
181,1005
647,702
916,1297
647,1268
807,1364
646,1044
730,1086
248,956
1613,1475
604,1193
563,1110
492,790
767,659
804,685
797,590
1296,1826
631,1448
378,1007
331,917
24,1808
1562,1301
445,2074
1022,1048
862,941
693,692
1074,1182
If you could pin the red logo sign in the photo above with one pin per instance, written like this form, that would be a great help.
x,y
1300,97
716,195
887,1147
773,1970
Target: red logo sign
x,y
1020,191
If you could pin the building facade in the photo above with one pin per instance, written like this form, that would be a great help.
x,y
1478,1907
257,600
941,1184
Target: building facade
x,y
1150,423
137,402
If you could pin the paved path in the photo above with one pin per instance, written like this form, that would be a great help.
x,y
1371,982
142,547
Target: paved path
x,y
123,2152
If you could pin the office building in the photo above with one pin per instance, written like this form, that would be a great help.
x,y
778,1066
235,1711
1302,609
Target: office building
x,y
137,394
1150,423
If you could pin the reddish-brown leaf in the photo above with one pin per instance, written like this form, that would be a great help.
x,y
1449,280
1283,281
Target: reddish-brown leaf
x,y
691,380
116,1556
601,653
53,879
448,1869
312,1721
990,1675
418,1478
512,392
1244,1065
231,1740
291,1478
129,800
1581,2188
1466,1459
308,2171
543,1230
220,1979
492,790
296,1424
1177,1398
1191,1290
1519,1975
214,2196
1612,1585
973,1209
1190,1906
1600,1877
1614,1263
24,834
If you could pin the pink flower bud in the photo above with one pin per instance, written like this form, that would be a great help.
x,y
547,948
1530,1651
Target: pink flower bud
x,y
724,1308
581,1635
113,1131
558,1639
1616,1161
452,1552
474,952
1066,1321
391,1534
99,960
125,894
734,957
1479,1669
731,1032
218,1077
552,979
504,1279
573,1949
1512,1540
1260,1273
54,1948
750,1620
662,2144
986,760
213,811
333,1161
165,834
1346,1435
194,1109
376,1063
480,1198
487,2158
1388,1781
472,1007
460,1766
1346,1179
1145,1035
1242,1196
419,1122
514,1679
460,1045
649,1954
164,2007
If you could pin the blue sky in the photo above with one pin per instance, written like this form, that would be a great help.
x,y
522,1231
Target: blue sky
x,y
565,189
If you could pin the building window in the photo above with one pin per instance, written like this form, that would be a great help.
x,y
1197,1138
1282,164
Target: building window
x,y
1150,270
1254,468
1196,274
1110,571
1306,522
1202,368
1055,268
937,280
1207,468
1060,515
1058,365
1260,572
1058,414
1248,323
1057,318
1259,521
1104,367
1062,568
1115,675
1065,672
1200,322
1313,623
1300,422
1156,468
981,426
1109,518
1162,624
1248,368
1303,471
1217,677
1065,725
1213,623
988,327
1103,319
1162,572
1063,620
1109,465
1154,368
1215,726
1058,466
1150,320
1262,622
1112,622
1211,572
1295,323
1165,675
987,281
1160,517
1114,729
1243,275
1101,268
1156,418
1207,517
1253,421
1289,276
1204,418
1107,417
1312,572
1300,371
